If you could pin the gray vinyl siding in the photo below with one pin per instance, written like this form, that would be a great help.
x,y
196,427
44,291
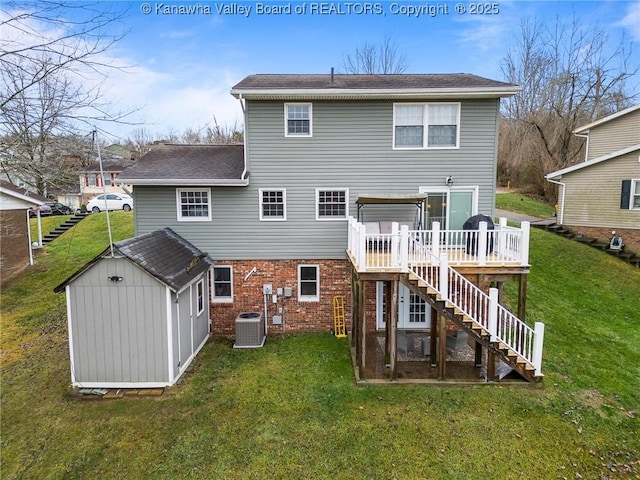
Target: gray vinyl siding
x,y
351,148
614,135
118,328
593,194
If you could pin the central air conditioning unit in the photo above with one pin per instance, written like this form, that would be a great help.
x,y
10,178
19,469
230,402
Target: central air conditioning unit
x,y
250,331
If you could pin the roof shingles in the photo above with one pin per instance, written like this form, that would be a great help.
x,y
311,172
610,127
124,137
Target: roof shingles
x,y
199,163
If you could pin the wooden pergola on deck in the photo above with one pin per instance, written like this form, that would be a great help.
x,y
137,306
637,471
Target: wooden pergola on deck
x,y
453,271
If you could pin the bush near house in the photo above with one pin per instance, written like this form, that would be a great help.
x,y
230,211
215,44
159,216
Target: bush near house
x,y
291,409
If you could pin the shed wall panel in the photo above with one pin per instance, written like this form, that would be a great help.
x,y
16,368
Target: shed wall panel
x,y
351,148
115,339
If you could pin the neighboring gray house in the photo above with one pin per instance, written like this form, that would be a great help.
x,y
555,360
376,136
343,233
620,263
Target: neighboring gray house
x,y
319,151
138,314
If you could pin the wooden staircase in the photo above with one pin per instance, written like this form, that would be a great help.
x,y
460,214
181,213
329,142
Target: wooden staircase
x,y
474,329
71,222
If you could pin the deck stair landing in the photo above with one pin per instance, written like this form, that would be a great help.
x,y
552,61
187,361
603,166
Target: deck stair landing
x,y
71,222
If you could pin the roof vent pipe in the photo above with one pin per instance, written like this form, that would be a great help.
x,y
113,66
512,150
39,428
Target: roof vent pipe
x,y
331,74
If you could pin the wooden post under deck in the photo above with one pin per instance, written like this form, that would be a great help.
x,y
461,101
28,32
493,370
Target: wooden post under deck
x,y
433,338
522,296
363,325
392,326
354,314
387,322
442,354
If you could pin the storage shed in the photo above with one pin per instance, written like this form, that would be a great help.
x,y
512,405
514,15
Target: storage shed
x,y
138,314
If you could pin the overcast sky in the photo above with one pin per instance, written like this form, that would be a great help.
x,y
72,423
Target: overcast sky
x,y
184,56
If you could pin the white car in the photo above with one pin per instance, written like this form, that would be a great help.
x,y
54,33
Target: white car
x,y
110,201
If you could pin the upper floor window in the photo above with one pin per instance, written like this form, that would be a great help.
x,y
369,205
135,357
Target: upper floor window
x,y
297,119
193,204
273,204
635,202
426,125
91,180
332,204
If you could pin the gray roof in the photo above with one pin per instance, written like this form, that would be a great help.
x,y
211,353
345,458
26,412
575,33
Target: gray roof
x,y
172,164
22,192
163,254
371,86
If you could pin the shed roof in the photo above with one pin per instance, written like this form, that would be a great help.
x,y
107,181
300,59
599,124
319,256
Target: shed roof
x,y
163,254
389,86
173,164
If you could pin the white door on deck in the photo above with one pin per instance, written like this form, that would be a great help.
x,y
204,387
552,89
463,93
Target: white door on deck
x,y
413,312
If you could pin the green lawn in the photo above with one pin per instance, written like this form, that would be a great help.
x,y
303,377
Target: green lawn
x,y
514,202
291,409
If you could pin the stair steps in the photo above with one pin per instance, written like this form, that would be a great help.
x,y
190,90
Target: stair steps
x,y
71,222
629,257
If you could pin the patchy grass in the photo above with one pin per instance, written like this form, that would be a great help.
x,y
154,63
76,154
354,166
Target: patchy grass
x,y
291,410
515,202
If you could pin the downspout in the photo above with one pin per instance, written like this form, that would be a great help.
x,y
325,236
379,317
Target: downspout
x,y
244,136
564,189
586,144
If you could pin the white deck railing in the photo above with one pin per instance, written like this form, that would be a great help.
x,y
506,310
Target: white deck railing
x,y
499,247
429,261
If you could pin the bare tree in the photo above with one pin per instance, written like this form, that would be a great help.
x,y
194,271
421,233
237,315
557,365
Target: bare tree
x,y
371,58
70,36
569,76
51,69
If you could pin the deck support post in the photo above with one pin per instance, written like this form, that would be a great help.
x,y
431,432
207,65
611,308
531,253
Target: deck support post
x,y
442,338
491,366
387,325
393,330
433,338
522,296
363,325
354,311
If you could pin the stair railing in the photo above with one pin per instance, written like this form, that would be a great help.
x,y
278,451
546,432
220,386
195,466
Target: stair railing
x,y
500,323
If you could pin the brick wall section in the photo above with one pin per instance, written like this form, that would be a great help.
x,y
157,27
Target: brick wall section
x,y
14,243
299,316
630,237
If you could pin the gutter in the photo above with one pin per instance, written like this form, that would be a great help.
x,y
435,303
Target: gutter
x,y
171,182
244,138
369,93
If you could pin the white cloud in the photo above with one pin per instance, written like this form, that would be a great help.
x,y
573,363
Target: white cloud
x,y
631,20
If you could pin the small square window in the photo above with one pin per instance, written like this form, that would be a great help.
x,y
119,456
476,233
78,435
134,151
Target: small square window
x,y
194,205
308,283
273,204
297,120
332,204
222,284
200,294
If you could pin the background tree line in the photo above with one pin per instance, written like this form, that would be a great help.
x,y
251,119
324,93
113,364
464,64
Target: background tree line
x,y
569,73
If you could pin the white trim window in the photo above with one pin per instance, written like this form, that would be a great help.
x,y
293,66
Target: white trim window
x,y
308,283
634,202
273,204
426,125
193,204
298,120
332,203
200,297
222,284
